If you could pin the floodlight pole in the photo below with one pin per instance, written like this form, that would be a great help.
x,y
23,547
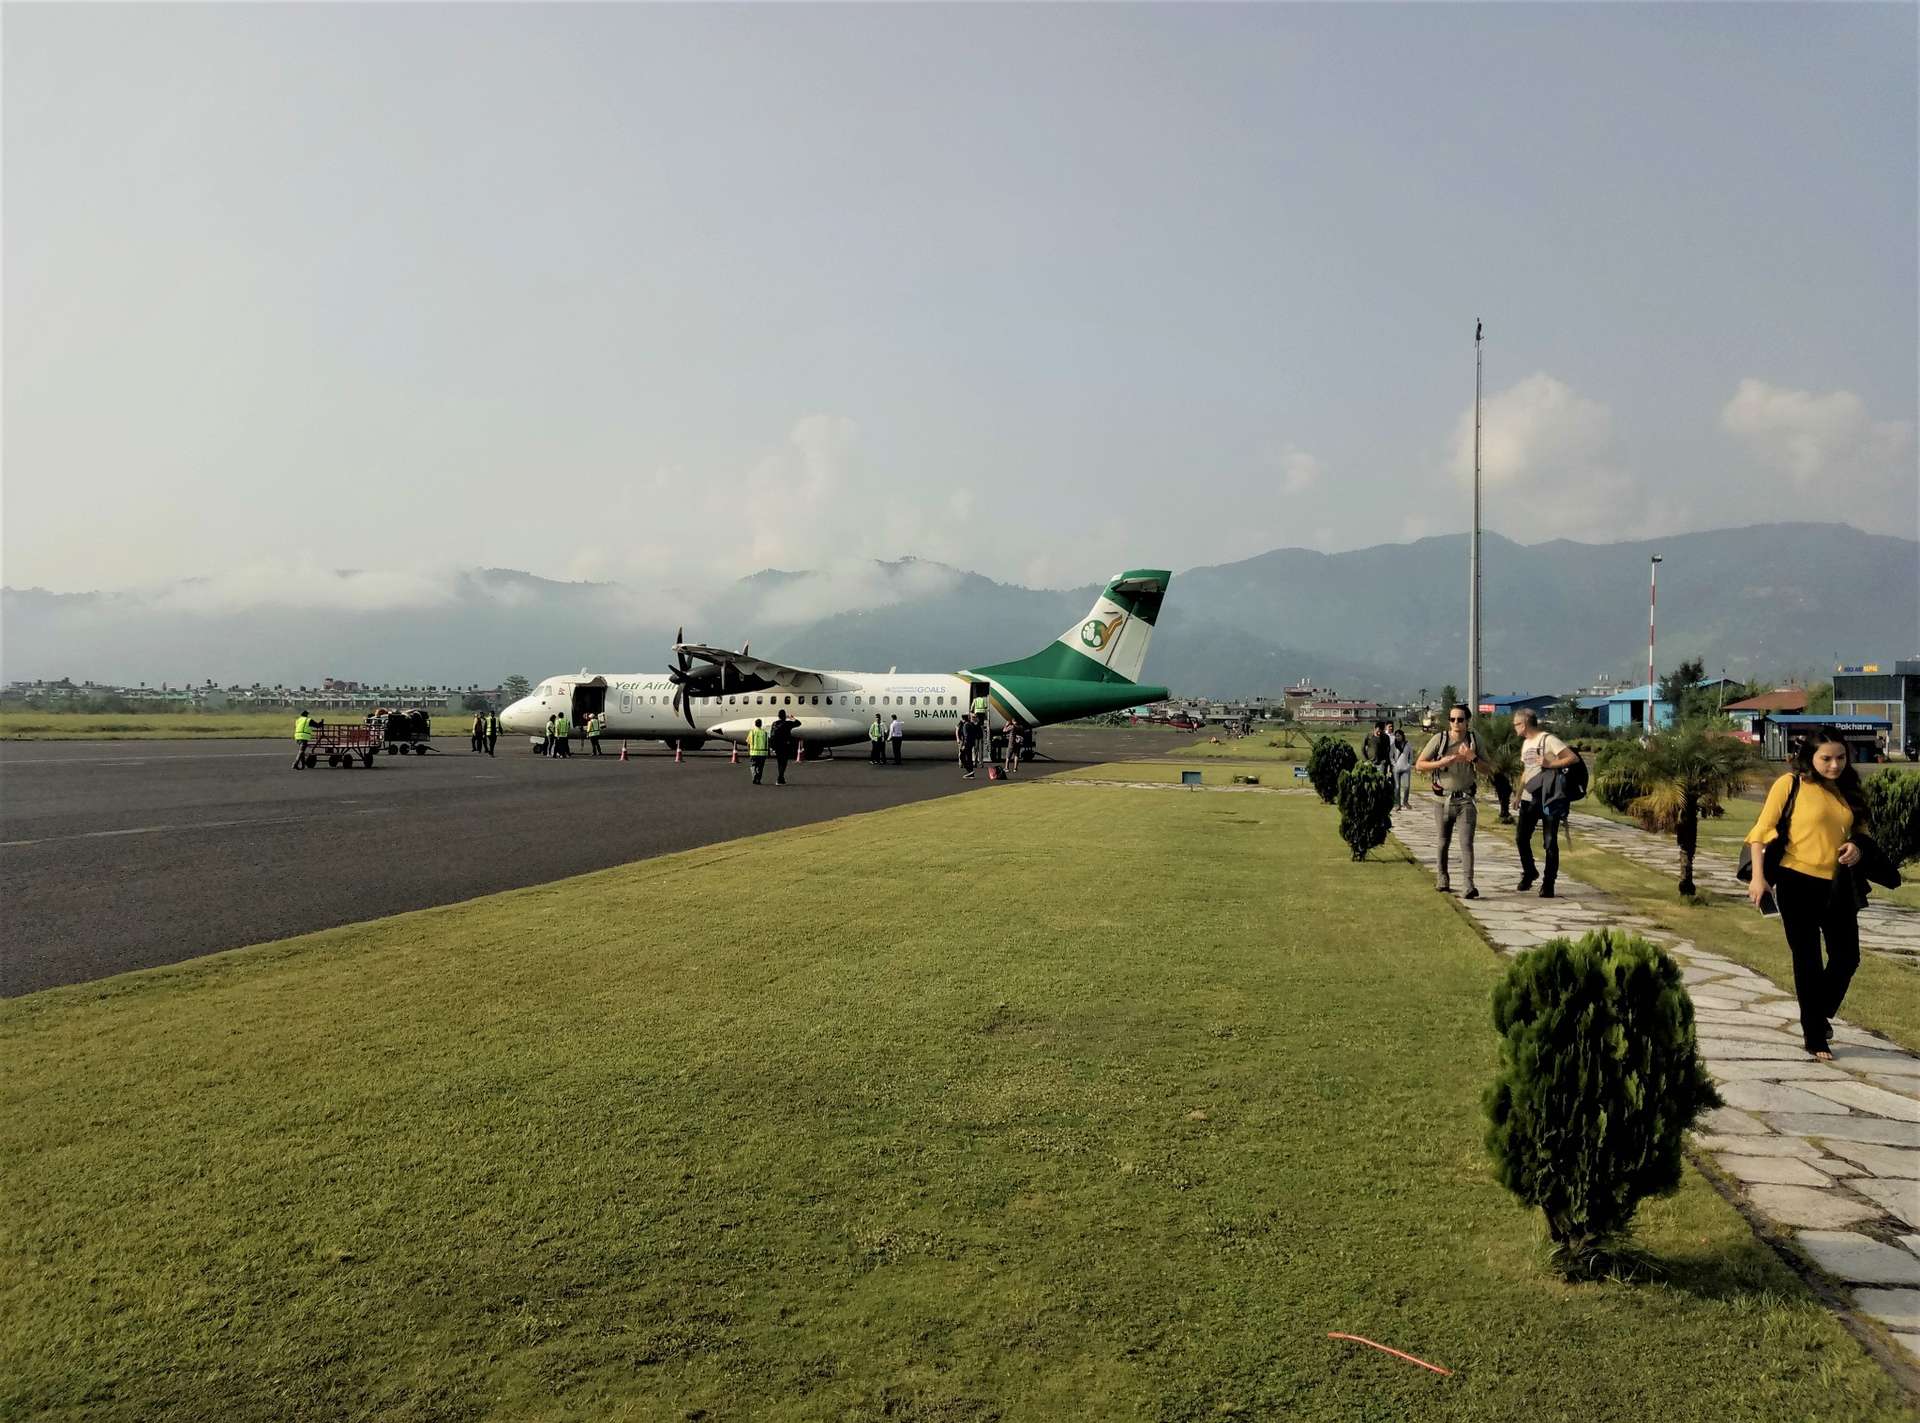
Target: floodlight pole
x,y
1473,558
1653,596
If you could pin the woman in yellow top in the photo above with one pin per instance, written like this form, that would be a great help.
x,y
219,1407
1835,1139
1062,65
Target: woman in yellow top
x,y
1815,900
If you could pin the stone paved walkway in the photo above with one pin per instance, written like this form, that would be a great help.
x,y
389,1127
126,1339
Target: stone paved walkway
x,y
1892,930
1829,1152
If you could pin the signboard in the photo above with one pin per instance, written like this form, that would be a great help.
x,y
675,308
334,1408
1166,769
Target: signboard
x,y
1486,708
1862,669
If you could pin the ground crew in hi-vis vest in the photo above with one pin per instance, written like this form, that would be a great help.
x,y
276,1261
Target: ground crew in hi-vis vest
x,y
979,705
757,749
302,738
595,725
877,734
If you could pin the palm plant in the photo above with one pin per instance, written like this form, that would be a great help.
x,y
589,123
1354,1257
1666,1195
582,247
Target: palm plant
x,y
1500,745
1684,774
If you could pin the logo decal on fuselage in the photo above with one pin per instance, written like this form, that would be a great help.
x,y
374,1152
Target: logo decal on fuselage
x,y
1096,634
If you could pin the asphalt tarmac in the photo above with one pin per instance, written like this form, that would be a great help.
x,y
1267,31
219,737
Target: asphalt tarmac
x,y
130,854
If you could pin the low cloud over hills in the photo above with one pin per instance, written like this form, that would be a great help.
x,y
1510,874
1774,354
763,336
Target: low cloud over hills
x,y
1763,601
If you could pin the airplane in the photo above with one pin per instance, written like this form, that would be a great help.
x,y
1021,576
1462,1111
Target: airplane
x,y
714,694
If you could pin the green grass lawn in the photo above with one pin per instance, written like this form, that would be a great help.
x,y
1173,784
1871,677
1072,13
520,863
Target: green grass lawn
x,y
1167,769
990,1107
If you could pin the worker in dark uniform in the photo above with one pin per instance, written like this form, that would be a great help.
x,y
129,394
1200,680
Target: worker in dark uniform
x,y
757,740
493,730
780,741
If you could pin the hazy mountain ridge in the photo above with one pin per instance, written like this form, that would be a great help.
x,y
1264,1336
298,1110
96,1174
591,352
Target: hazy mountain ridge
x,y
1767,600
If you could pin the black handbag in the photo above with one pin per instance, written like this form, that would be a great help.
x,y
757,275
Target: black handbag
x,y
1771,852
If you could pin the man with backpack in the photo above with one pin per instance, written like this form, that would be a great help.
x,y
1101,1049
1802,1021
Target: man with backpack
x,y
1544,797
1453,759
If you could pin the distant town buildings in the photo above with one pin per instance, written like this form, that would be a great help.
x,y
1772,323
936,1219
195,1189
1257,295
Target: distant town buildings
x,y
334,694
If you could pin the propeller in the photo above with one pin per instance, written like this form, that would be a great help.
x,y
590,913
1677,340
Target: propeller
x,y
680,677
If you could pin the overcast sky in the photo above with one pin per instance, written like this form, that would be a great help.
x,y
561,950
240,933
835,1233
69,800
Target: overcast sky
x,y
632,292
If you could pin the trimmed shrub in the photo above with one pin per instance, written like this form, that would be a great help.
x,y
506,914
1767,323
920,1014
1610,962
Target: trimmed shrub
x,y
1365,795
1599,1079
1329,757
1893,805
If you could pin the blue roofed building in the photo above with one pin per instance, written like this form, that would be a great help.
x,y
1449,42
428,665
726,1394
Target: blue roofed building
x,y
1625,710
1509,703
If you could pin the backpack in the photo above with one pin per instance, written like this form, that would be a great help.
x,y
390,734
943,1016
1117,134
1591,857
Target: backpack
x,y
1573,779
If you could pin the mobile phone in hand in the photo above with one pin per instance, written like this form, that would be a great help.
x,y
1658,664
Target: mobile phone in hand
x,y
1769,902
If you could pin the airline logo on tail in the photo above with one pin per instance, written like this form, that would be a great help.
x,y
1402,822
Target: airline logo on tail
x,y
1096,634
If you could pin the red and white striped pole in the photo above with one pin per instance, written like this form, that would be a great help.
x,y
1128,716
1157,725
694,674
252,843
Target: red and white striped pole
x,y
1653,598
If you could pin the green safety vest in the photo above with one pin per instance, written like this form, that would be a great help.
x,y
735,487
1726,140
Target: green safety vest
x,y
979,704
875,732
757,741
593,726
559,726
303,728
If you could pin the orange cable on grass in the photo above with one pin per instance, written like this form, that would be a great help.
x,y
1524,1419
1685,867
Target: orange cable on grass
x,y
1395,1352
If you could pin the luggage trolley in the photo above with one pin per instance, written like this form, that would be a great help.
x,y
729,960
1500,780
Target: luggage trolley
x,y
340,744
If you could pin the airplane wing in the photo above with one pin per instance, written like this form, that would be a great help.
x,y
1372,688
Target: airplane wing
x,y
752,672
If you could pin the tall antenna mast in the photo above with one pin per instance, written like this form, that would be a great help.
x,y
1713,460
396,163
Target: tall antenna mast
x,y
1473,560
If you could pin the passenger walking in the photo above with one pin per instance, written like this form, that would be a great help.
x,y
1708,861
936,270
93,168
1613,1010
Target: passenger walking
x,y
897,734
1808,855
493,730
969,747
1540,752
302,739
1453,757
1016,735
596,724
1402,769
781,743
757,740
877,736
479,735
1377,750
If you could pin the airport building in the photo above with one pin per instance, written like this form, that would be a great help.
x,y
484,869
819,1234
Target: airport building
x,y
1873,691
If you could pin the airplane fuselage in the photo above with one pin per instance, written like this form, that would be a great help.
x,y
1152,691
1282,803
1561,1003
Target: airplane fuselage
x,y
640,707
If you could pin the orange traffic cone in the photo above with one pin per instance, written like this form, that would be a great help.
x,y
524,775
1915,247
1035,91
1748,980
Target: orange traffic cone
x,y
623,750
676,752
799,751
734,759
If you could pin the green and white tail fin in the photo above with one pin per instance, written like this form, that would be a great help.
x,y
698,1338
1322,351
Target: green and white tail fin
x,y
1110,643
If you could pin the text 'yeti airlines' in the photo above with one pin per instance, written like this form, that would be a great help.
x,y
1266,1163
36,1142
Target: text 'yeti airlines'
x,y
1090,668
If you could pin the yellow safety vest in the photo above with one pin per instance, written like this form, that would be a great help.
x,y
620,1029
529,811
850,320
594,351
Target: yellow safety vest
x,y
875,733
593,726
757,741
302,728
979,704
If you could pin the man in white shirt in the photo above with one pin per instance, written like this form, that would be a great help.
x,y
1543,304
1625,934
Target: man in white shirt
x,y
897,734
1541,753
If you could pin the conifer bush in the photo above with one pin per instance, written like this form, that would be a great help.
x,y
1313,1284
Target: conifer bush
x,y
1600,1077
1329,757
1365,795
1893,806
